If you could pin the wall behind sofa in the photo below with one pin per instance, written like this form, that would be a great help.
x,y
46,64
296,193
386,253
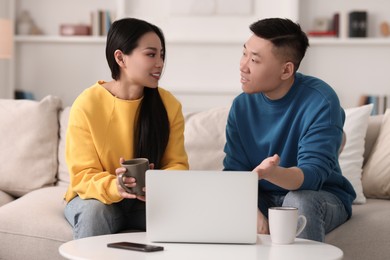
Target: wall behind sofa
x,y
203,52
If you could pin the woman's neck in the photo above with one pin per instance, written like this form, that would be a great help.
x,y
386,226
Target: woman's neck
x,y
124,91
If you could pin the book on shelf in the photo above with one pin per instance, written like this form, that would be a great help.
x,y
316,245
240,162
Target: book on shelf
x,y
358,24
75,29
101,21
336,24
352,24
322,33
380,102
326,27
22,94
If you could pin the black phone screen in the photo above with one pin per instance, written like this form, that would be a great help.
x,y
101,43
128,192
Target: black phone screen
x,y
136,246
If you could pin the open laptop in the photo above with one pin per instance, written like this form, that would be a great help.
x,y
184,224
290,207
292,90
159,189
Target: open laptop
x,y
201,206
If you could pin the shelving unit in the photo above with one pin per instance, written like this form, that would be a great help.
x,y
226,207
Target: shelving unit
x,y
66,13
352,66
121,5
378,11
314,41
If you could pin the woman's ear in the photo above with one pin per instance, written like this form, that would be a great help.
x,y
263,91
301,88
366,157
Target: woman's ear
x,y
119,58
288,70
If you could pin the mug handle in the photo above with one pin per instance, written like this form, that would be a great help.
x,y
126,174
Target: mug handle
x,y
120,179
303,224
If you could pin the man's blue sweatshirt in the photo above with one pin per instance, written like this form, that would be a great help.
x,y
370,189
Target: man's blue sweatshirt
x,y
304,128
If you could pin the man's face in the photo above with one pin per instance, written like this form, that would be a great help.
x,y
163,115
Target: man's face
x,y
261,70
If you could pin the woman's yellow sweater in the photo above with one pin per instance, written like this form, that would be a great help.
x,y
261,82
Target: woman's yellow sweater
x,y
101,130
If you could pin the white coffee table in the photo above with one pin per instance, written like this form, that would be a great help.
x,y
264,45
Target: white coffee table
x,y
96,248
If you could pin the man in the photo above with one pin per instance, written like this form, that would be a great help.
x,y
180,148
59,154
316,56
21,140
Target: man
x,y
287,127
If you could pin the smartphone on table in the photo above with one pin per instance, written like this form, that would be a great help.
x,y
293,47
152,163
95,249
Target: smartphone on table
x,y
136,246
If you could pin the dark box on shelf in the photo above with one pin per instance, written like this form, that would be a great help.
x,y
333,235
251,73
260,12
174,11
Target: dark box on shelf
x,y
358,24
73,29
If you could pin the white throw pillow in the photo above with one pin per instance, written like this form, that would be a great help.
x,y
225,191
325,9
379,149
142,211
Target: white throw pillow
x,y
28,146
351,158
63,173
376,172
204,138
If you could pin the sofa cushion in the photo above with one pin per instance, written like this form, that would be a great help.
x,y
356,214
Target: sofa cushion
x,y
34,225
376,173
351,158
205,138
374,125
28,146
366,234
63,173
5,198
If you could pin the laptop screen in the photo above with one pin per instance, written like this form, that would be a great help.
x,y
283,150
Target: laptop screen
x,y
201,206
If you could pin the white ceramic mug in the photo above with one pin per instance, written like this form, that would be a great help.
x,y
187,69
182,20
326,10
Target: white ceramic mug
x,y
283,224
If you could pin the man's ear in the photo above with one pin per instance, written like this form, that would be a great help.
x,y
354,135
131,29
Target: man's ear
x,y
119,58
288,70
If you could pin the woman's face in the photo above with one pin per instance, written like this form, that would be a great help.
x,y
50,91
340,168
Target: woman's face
x,y
144,65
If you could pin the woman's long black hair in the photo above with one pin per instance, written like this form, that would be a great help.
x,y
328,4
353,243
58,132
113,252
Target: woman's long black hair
x,y
152,126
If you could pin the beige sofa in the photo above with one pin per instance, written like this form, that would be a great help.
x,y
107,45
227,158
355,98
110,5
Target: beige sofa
x,y
33,179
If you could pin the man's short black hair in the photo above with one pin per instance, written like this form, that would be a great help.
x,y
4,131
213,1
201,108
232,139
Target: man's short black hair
x,y
288,38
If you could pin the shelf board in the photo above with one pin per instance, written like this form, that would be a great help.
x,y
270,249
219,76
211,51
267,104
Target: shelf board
x,y
102,39
314,41
317,41
59,39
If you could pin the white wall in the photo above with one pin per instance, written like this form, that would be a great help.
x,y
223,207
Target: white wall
x,y
217,27
352,70
202,67
61,69
203,51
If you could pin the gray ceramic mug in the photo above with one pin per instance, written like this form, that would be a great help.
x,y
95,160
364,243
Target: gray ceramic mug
x,y
135,168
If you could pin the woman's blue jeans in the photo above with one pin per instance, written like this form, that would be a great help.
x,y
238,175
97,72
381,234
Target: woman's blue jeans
x,y
90,217
323,210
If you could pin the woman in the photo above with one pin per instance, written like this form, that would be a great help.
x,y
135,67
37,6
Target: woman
x,y
125,118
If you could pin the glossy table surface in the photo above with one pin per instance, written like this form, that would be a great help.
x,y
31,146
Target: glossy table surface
x,y
96,248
